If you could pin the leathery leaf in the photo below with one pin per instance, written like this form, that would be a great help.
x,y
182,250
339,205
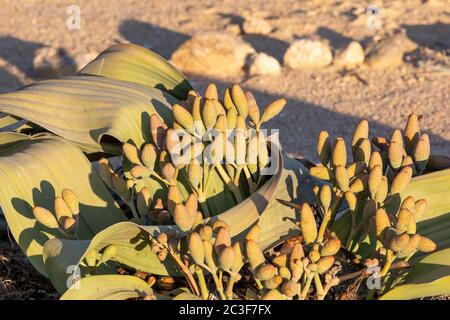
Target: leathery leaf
x,y
91,111
133,63
32,172
108,287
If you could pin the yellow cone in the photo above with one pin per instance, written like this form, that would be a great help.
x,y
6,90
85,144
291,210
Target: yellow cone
x,y
196,248
325,197
308,225
253,109
401,180
375,159
324,147
361,132
351,200
158,130
382,221
339,155
182,217
266,272
254,254
395,154
211,92
148,156
324,264
342,178
404,220
239,100
322,173
426,245
420,208
45,217
412,132
72,201
228,101
375,177
383,190
422,152
183,117
331,247
273,109
363,151
209,114
131,152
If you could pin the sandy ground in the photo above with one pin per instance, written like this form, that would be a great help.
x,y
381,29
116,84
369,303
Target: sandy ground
x,y
321,99
329,98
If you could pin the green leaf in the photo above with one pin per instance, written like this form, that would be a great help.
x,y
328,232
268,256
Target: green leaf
x,y
93,112
428,277
108,287
130,62
32,172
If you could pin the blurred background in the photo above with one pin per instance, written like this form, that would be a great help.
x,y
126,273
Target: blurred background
x,y
336,62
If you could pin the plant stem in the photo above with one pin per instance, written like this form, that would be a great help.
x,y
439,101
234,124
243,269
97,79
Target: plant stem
x,y
259,284
248,176
157,176
230,285
319,287
202,282
389,259
323,226
219,285
335,204
184,269
363,272
370,294
203,205
351,234
229,183
132,206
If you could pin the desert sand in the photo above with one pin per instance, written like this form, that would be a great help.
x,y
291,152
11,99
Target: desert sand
x,y
330,98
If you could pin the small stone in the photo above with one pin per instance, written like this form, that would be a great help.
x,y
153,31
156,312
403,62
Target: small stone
x,y
308,53
388,53
233,28
350,56
50,62
255,25
212,54
262,64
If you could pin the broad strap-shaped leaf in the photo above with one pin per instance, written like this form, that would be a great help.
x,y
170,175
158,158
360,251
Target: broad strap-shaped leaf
x,y
8,139
32,172
428,277
130,62
278,222
108,287
89,110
